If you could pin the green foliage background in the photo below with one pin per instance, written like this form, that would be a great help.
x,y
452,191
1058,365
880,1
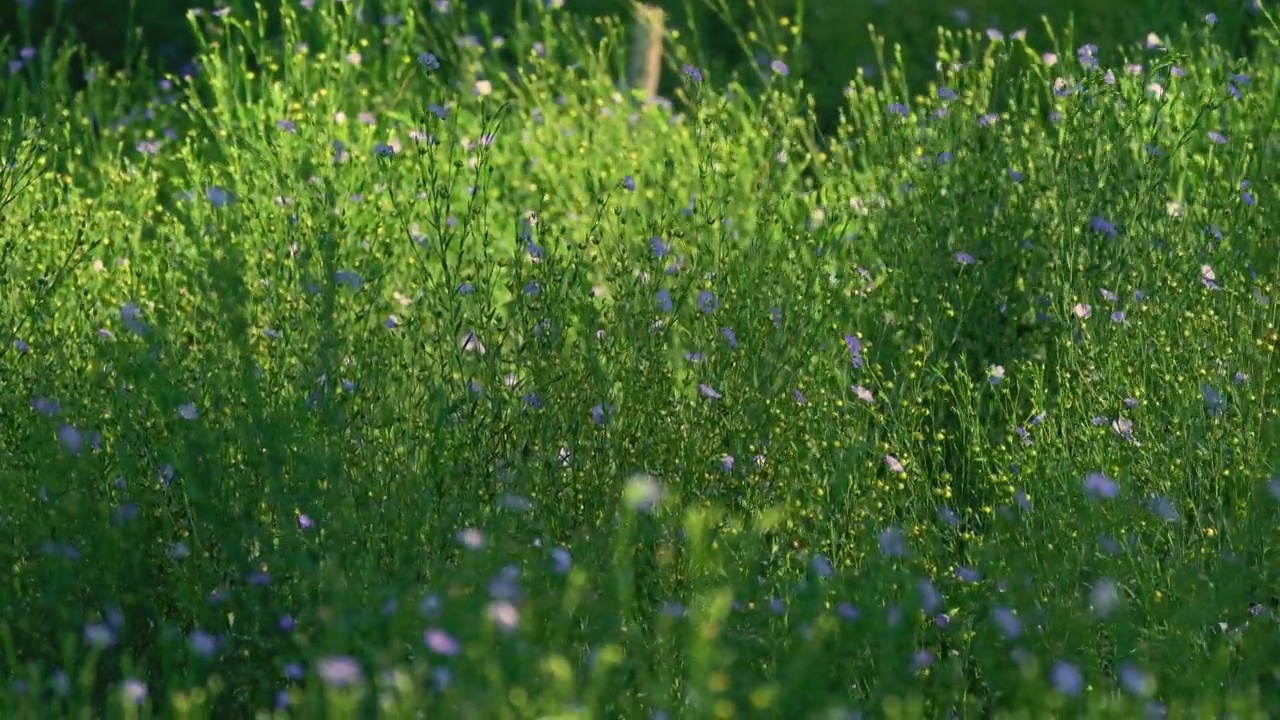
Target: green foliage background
x,y
732,35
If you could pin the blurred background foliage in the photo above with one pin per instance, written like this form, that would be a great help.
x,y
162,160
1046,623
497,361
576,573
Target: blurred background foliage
x,y
824,42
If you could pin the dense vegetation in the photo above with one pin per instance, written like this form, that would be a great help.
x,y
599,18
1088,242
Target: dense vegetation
x,y
359,372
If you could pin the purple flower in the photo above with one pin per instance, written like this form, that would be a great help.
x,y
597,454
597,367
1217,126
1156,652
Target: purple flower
x,y
1213,400
1023,501
855,349
440,642
1124,428
560,560
339,671
1137,681
629,183
893,543
1100,487
131,318
349,279
730,336
1209,278
471,343
99,635
847,611
71,439
964,258
708,391
1085,54
1066,678
217,196
949,516
692,73
664,300
922,659
968,575
780,68
471,538
134,691
428,61
1163,508
1104,596
202,643
1008,622
995,374
894,464
1102,226
707,302
822,566
504,615
929,597
893,615
505,585
863,394
44,406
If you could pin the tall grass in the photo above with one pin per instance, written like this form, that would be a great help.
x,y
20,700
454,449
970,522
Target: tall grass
x,y
337,385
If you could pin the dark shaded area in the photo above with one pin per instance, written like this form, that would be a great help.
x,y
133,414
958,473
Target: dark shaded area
x,y
157,32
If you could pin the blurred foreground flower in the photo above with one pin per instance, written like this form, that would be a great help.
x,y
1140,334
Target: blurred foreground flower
x,y
643,492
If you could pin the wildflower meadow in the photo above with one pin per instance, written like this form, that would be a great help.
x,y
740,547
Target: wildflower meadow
x,y
358,370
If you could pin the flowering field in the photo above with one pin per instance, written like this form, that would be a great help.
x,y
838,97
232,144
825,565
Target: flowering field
x,y
364,375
